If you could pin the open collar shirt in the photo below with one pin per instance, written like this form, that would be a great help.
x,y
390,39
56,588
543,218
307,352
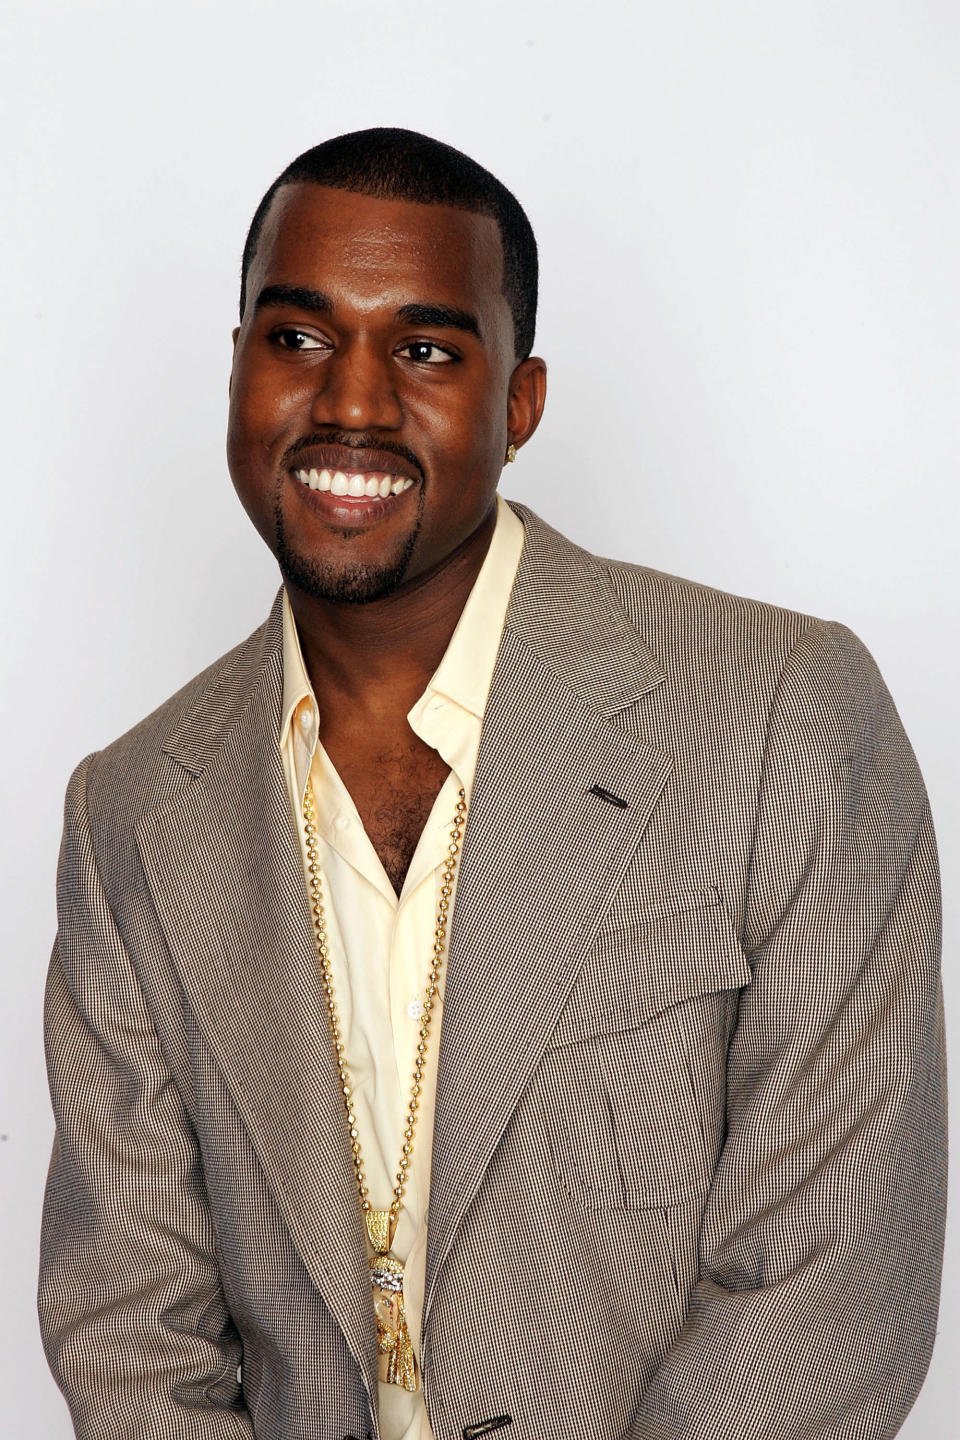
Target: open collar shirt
x,y
380,943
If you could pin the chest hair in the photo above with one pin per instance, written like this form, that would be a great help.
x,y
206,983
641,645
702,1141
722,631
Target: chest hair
x,y
394,790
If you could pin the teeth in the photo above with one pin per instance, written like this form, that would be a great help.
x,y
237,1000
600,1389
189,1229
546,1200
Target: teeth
x,y
355,485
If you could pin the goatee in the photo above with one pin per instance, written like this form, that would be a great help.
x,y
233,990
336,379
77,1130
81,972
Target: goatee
x,y
345,583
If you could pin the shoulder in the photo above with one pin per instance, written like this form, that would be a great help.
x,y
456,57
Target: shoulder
x,y
691,628
684,616
815,681
731,665
806,664
123,779
680,614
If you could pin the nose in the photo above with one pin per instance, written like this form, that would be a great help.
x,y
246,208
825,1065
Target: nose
x,y
356,390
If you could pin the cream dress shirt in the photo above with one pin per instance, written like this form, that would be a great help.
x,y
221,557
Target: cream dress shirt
x,y
381,943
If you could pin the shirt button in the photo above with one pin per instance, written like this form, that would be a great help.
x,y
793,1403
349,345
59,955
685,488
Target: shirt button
x,y
306,719
415,1009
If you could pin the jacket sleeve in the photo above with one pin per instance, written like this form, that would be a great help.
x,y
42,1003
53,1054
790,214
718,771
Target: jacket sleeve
x,y
133,1317
821,1244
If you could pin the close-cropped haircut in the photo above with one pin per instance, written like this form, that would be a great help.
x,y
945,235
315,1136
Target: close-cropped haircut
x,y
404,165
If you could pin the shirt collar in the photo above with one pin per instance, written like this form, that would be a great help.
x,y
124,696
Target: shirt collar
x,y
466,669
464,673
296,681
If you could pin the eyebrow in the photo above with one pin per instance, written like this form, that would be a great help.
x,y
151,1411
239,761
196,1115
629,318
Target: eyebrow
x,y
299,296
445,317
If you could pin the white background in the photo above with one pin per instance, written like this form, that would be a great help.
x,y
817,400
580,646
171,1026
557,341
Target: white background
x,y
747,215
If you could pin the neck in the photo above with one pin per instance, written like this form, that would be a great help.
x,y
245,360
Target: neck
x,y
379,656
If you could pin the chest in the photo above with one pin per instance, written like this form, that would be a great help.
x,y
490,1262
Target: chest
x,y
393,779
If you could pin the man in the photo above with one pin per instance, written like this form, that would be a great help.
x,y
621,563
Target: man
x,y
672,1164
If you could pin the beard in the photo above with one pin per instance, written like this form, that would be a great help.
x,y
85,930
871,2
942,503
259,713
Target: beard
x,y
345,582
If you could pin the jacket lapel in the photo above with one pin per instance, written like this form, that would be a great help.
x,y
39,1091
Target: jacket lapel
x,y
223,865
542,856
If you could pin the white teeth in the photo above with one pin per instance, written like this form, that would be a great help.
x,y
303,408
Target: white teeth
x,y
357,486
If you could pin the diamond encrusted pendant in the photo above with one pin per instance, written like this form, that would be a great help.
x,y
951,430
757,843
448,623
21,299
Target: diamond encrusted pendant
x,y
397,1364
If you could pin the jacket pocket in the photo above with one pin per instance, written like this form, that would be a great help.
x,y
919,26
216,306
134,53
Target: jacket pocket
x,y
633,1081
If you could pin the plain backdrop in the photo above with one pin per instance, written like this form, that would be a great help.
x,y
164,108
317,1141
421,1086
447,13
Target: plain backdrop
x,y
748,222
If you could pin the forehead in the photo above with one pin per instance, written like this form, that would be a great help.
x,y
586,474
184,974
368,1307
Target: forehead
x,y
358,247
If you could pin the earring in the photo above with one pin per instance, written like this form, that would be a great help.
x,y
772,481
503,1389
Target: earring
x,y
511,453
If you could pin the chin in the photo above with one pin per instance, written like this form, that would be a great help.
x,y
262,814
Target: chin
x,y
343,582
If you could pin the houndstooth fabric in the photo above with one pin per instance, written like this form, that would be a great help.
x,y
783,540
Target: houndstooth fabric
x,y
688,1166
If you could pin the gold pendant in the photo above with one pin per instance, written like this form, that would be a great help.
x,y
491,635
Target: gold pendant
x,y
397,1364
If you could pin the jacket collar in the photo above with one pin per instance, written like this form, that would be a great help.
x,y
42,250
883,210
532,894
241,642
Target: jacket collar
x,y
563,608
566,611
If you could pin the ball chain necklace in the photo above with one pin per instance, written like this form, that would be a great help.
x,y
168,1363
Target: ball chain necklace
x,y
397,1362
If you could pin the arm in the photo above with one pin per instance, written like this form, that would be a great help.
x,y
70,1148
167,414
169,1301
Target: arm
x,y
821,1243
133,1317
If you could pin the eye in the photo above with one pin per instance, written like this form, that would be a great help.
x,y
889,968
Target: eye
x,y
427,352
288,337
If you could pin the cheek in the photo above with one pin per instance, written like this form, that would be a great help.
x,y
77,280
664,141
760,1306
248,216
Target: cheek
x,y
264,403
255,441
253,486
464,427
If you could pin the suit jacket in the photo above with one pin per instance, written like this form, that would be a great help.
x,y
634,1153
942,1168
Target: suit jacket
x,y
688,1173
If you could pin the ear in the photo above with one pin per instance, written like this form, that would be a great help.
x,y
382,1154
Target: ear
x,y
525,401
236,335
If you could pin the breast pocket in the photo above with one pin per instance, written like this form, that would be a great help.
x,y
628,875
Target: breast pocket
x,y
633,1078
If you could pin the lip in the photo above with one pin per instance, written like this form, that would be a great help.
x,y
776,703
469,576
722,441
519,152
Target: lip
x,y
350,460
348,511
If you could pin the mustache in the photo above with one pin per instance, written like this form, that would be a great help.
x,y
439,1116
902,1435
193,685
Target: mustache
x,y
350,440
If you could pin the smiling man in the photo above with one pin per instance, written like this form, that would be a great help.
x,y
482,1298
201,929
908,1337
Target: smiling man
x,y
502,992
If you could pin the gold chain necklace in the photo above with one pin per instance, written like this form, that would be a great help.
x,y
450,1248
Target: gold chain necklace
x,y
397,1362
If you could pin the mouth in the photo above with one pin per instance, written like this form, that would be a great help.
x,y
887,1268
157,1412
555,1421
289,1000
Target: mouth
x,y
354,484
352,499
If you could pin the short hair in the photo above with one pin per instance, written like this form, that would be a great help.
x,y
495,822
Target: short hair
x,y
396,164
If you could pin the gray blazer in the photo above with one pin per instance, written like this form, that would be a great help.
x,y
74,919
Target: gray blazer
x,y
688,1166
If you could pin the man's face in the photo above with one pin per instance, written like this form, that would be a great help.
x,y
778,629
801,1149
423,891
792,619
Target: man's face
x,y
375,355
